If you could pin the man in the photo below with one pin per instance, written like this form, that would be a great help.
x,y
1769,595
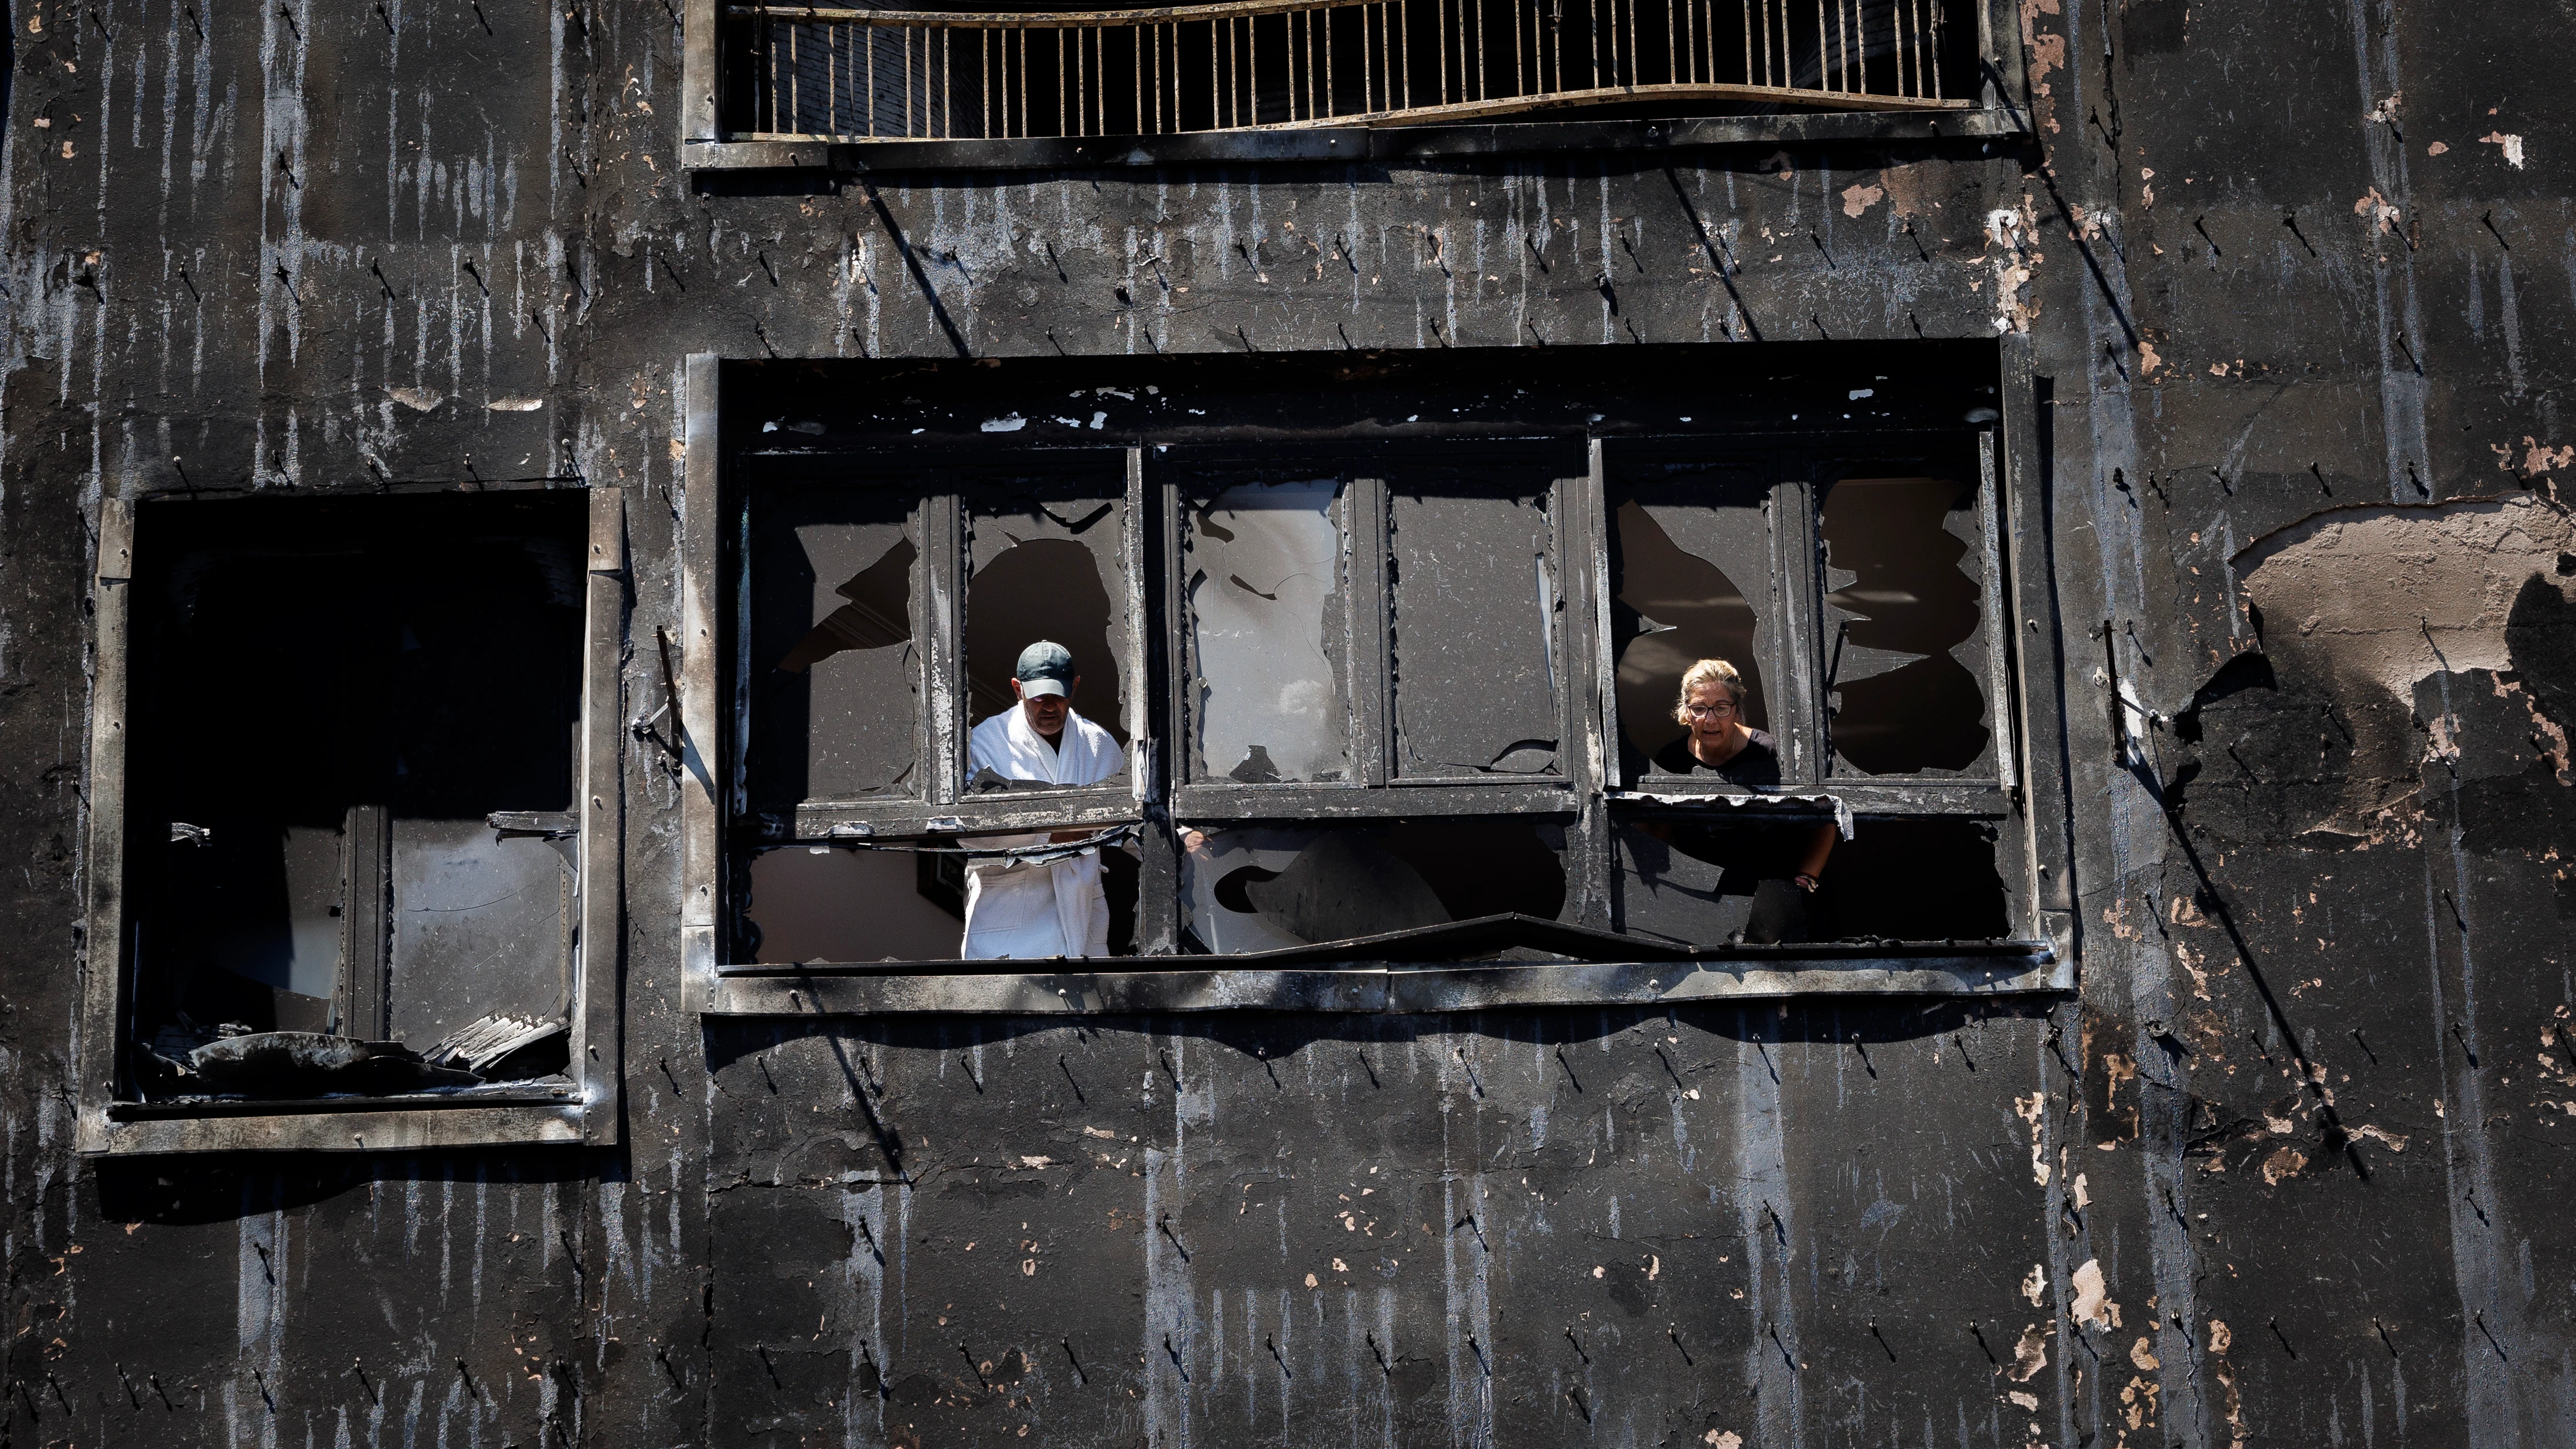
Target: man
x,y
1013,908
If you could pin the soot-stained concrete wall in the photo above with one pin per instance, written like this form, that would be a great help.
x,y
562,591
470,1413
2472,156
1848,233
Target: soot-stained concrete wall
x,y
2291,1168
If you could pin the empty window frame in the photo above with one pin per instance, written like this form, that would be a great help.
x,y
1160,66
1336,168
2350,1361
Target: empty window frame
x,y
354,823
882,611
862,76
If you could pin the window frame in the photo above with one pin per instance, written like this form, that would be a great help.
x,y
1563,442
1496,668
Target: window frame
x,y
1801,648
2040,957
1380,792
586,1114
2001,110
943,807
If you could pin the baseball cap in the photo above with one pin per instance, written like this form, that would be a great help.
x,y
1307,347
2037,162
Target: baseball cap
x,y
1045,667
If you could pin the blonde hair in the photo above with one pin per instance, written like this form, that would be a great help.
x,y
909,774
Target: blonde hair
x,y
1708,671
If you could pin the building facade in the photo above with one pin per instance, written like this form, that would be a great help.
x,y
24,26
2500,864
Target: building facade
x,y
516,512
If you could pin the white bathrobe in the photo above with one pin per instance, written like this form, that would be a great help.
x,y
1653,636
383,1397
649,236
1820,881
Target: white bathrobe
x,y
1023,911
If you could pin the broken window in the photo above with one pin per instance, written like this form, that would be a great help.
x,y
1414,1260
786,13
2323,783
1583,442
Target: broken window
x,y
1387,624
353,804
1695,879
833,660
1903,560
1696,578
1361,688
1047,560
1262,566
1473,627
825,904
883,612
1261,889
1855,598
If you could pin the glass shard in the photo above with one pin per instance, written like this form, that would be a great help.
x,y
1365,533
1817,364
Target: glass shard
x,y
1263,564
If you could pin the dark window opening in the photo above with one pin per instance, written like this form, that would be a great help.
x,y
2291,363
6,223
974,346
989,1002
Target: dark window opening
x,y
834,670
352,799
1902,565
1894,880
1686,543
1045,561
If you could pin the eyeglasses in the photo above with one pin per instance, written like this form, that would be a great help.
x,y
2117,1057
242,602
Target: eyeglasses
x,y
1710,711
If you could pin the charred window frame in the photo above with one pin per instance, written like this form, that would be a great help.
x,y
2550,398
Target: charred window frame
x,y
2002,793
948,530
872,89
1887,676
1387,537
128,1102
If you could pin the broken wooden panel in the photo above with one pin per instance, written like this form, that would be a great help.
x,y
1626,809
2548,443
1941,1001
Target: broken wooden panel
x,y
1262,568
1476,639
1904,638
480,925
1904,880
1046,559
836,589
1265,888
824,904
1692,578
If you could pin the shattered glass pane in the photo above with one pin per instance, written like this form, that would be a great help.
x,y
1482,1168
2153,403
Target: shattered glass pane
x,y
1263,568
815,903
1904,657
1704,884
1475,635
1686,545
835,669
1262,889
1047,561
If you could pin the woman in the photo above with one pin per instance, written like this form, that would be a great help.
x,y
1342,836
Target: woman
x,y
1782,864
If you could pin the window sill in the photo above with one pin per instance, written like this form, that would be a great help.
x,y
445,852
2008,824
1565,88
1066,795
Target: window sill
x,y
1352,143
334,1124
1198,983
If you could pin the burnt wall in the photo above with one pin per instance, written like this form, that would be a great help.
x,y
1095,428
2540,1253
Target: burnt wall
x,y
2298,286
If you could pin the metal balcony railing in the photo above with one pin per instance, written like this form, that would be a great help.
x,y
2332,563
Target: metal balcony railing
x,y
1246,65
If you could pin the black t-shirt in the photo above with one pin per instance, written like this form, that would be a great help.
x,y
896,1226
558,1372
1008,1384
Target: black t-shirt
x,y
1749,847
1756,766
